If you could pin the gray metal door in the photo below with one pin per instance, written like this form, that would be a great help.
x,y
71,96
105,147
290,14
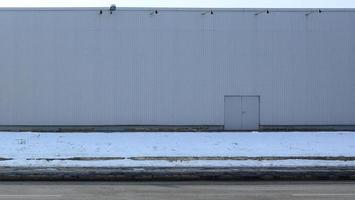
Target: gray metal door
x,y
233,113
241,113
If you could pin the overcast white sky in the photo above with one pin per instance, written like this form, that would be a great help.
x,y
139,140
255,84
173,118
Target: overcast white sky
x,y
183,3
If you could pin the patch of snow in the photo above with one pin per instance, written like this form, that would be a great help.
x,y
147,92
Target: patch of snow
x,y
22,145
193,163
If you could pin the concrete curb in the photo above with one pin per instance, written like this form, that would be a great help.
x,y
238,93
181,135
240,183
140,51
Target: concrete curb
x,y
174,174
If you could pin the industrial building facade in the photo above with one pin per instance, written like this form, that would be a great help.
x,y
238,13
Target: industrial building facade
x,y
235,69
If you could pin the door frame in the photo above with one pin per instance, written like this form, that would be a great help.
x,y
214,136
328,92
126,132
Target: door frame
x,y
241,96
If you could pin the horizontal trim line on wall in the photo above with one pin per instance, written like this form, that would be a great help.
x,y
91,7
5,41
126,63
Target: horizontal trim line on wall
x,y
166,128
174,9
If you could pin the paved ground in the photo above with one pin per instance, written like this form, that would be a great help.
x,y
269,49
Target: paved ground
x,y
177,190
177,174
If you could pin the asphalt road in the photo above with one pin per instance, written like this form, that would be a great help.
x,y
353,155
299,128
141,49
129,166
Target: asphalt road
x,y
177,190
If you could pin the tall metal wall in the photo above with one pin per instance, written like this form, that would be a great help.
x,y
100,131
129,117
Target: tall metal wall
x,y
136,67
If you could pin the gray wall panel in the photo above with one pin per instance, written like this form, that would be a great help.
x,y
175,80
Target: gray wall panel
x,y
75,67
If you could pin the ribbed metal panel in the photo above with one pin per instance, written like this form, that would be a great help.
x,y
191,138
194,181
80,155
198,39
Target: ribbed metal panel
x,y
76,67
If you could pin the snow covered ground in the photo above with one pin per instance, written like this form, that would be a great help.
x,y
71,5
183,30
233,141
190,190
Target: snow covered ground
x,y
119,149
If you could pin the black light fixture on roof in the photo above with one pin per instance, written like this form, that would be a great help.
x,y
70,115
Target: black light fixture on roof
x,y
154,12
210,12
313,11
112,8
262,11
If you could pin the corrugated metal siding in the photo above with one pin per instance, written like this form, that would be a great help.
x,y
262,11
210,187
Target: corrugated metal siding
x,y
132,68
